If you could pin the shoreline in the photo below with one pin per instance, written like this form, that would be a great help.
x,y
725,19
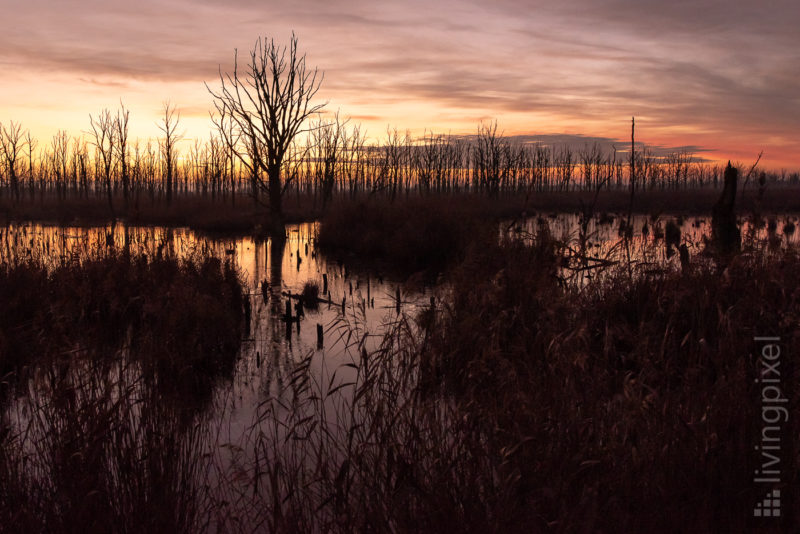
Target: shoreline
x,y
205,215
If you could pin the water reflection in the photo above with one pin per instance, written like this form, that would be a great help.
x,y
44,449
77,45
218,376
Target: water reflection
x,y
653,241
355,305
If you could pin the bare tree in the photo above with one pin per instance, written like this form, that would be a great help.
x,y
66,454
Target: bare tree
x,y
80,158
171,136
59,160
103,132
267,105
216,166
121,132
393,154
11,143
32,143
328,141
492,158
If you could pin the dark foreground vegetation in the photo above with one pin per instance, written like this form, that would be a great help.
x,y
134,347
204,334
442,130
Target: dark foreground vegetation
x,y
519,403
105,364
530,398
547,390
419,234
524,403
240,217
183,314
629,405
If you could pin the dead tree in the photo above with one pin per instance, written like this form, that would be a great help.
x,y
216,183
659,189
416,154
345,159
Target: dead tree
x,y
169,126
488,156
328,142
11,143
103,132
80,158
393,154
59,161
32,144
268,105
121,131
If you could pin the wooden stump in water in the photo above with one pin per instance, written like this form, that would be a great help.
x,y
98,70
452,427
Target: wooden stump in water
x,y
320,338
725,235
265,290
672,237
325,284
683,250
247,313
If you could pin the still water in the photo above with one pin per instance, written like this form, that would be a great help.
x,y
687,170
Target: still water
x,y
354,310
357,305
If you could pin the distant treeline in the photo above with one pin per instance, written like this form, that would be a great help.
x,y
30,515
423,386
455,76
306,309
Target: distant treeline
x,y
333,160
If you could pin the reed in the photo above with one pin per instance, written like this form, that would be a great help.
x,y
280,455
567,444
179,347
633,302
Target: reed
x,y
180,319
521,400
109,362
413,235
625,403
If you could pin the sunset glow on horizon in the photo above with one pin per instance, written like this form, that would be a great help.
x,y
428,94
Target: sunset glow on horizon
x,y
720,80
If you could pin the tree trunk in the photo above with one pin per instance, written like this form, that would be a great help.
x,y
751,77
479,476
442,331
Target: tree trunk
x,y
169,182
277,223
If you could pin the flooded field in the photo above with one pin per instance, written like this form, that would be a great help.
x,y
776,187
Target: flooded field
x,y
351,312
298,387
646,243
353,307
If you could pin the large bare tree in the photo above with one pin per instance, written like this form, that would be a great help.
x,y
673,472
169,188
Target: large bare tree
x,y
261,109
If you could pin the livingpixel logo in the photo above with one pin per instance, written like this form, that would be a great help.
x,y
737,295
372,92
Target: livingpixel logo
x,y
774,414
770,506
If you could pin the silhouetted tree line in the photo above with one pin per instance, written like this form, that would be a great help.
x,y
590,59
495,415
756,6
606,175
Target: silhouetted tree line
x,y
336,160
270,140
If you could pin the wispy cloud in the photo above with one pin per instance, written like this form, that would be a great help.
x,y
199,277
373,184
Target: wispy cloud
x,y
719,73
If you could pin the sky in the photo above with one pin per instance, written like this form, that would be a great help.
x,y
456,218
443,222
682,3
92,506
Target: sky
x,y
719,76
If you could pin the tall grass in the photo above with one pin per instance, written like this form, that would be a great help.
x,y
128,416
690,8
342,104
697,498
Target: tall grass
x,y
182,318
97,448
417,235
520,401
630,404
108,364
520,404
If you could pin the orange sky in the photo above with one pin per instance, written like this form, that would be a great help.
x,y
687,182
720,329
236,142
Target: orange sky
x,y
723,78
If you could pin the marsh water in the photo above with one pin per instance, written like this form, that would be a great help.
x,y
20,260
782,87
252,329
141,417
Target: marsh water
x,y
357,305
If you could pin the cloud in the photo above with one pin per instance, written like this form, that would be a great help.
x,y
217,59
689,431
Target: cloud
x,y
607,145
724,71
